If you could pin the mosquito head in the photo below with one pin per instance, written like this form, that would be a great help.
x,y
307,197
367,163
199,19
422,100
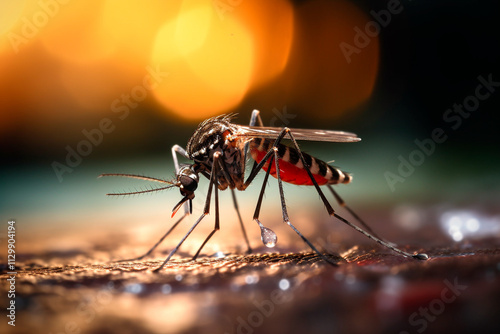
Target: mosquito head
x,y
187,181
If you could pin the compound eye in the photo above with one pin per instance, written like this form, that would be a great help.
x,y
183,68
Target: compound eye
x,y
188,184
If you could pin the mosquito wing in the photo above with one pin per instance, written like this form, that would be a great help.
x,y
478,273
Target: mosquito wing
x,y
299,134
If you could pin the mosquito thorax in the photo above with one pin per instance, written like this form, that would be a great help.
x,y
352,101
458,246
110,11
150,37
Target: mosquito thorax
x,y
216,137
209,137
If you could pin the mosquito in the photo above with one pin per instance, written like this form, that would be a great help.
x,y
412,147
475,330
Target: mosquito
x,y
219,149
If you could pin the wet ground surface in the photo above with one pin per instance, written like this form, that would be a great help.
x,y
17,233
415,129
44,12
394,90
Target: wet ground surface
x,y
372,290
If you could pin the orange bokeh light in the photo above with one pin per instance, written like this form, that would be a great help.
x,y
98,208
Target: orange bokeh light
x,y
215,55
132,25
10,12
320,78
81,40
218,54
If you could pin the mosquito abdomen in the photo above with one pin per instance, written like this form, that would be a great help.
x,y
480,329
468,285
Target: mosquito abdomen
x,y
291,167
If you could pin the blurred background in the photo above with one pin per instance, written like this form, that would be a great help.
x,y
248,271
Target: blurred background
x,y
88,87
91,87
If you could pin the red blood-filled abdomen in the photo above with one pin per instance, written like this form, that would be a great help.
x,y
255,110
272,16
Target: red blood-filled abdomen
x,y
288,172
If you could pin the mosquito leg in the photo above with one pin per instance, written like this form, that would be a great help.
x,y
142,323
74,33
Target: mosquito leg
x,y
344,205
224,169
205,212
267,235
176,149
262,190
180,243
225,172
249,249
253,119
284,211
213,180
159,241
258,166
419,256
216,227
255,169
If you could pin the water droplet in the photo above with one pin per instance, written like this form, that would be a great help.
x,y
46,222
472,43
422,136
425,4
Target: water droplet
x,y
421,256
269,238
472,224
267,235
251,279
457,235
166,289
134,288
284,284
178,277
220,255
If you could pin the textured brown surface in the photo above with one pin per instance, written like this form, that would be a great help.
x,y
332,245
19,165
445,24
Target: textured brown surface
x,y
373,291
